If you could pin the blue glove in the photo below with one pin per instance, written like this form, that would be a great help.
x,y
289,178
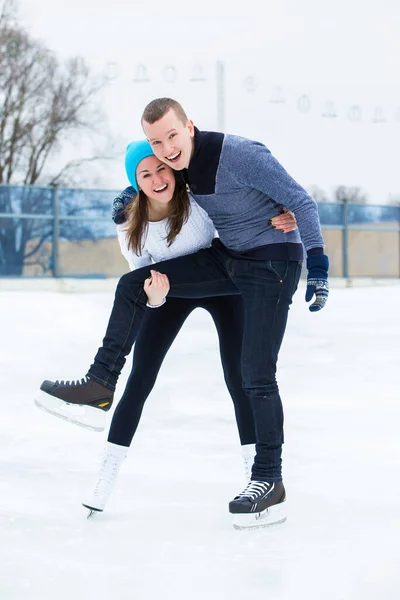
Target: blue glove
x,y
120,203
317,281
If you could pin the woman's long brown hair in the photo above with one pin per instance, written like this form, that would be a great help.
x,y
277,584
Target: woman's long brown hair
x,y
137,216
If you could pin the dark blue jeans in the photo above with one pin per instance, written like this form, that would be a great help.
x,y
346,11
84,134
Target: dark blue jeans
x,y
267,288
159,329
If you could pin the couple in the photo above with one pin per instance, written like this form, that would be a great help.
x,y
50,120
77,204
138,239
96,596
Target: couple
x,y
247,277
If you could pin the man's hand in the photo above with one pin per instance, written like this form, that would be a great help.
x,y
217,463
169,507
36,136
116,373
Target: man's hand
x,y
286,221
156,288
317,281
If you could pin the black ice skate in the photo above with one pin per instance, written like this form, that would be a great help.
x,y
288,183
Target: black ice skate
x,y
83,402
260,504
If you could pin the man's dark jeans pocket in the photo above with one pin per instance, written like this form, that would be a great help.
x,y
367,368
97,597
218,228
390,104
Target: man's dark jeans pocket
x,y
279,268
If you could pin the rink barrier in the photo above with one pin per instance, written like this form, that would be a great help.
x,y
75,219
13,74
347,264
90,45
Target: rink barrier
x,y
69,233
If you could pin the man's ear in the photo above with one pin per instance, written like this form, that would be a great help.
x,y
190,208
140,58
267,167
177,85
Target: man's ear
x,y
190,126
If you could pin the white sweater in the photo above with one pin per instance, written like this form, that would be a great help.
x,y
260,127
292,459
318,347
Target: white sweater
x,y
197,233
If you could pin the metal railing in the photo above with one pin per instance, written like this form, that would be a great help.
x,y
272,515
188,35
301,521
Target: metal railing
x,y
69,232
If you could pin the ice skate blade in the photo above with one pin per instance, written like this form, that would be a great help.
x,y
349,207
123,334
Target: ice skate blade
x,y
270,516
85,416
92,511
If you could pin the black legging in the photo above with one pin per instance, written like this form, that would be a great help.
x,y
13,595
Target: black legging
x,y
159,329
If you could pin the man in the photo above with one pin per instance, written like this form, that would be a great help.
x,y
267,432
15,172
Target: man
x,y
241,185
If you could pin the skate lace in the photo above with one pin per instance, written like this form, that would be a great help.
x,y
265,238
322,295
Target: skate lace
x,y
248,460
108,472
73,382
256,489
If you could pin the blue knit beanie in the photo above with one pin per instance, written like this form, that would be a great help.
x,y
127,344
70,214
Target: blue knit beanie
x,y
135,152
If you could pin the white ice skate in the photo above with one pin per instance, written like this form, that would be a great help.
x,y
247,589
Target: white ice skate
x,y
110,465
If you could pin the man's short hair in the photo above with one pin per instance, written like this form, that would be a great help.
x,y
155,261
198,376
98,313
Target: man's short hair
x,y
159,107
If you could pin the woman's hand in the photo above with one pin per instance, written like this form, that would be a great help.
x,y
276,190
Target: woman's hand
x,y
285,222
156,287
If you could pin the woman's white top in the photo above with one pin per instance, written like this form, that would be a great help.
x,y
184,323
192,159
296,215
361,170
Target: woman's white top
x,y
197,233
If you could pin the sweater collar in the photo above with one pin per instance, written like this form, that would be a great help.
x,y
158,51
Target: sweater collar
x,y
202,170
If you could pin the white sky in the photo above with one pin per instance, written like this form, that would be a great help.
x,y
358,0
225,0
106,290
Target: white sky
x,y
347,52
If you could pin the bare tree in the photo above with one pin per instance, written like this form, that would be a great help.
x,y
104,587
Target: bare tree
x,y
352,195
342,193
318,194
43,104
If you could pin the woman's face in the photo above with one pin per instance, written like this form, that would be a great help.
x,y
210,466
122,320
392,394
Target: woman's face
x,y
155,179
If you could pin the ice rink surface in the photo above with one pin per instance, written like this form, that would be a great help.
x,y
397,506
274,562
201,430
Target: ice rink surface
x,y
167,532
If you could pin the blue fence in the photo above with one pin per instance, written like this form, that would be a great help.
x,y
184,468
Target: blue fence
x,y
52,232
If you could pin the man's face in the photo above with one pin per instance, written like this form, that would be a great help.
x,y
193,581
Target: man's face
x,y
171,140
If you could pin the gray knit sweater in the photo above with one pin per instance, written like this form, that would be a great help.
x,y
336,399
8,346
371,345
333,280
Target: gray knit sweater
x,y
241,186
